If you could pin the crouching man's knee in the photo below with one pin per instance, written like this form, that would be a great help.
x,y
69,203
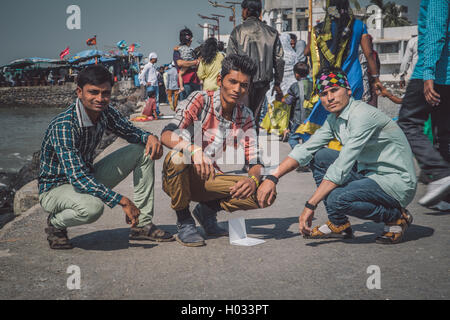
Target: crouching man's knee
x,y
91,211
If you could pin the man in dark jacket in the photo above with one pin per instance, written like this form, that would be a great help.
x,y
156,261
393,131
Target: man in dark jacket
x,y
262,44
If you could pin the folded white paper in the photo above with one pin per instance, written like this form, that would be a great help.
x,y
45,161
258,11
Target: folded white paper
x,y
238,234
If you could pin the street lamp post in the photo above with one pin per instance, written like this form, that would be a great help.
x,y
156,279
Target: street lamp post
x,y
232,7
216,18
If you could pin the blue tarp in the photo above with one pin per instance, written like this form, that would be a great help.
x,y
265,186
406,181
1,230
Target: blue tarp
x,y
22,63
100,60
86,55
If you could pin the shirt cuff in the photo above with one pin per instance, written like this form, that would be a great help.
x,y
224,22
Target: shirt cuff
x,y
144,137
300,155
335,175
428,75
113,199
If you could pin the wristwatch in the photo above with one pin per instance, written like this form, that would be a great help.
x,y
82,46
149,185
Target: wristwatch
x,y
310,206
273,179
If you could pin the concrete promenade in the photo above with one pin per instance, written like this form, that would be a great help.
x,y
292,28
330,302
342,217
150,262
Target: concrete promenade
x,y
285,267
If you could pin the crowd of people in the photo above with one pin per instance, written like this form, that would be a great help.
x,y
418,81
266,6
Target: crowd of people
x,y
35,75
362,160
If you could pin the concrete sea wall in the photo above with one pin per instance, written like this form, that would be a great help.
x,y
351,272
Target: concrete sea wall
x,y
51,96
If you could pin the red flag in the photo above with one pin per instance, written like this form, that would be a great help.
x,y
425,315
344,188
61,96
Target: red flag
x,y
64,53
92,41
131,48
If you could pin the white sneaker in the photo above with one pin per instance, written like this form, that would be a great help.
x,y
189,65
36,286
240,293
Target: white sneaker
x,y
443,206
436,191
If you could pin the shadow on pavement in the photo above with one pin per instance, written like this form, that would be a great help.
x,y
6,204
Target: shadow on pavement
x,y
280,231
437,213
109,240
414,232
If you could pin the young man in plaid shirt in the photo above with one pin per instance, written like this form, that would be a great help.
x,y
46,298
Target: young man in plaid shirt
x,y
72,188
205,125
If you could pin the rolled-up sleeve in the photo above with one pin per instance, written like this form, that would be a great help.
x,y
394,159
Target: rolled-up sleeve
x,y
304,153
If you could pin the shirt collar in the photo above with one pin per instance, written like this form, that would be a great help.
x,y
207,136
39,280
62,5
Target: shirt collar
x,y
346,112
83,118
218,106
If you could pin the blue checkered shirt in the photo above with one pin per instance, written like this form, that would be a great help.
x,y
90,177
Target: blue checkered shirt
x,y
67,154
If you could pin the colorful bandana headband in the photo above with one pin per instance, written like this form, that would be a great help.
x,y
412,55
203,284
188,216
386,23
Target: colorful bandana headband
x,y
332,80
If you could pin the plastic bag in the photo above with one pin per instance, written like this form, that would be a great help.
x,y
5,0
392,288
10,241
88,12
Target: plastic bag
x,y
276,120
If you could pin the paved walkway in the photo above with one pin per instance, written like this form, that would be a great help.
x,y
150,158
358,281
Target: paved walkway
x,y
285,267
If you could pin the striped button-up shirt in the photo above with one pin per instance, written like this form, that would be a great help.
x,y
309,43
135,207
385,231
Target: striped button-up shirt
x,y
67,153
199,120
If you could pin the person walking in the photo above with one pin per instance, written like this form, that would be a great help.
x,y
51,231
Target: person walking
x,y
173,90
149,78
428,93
262,44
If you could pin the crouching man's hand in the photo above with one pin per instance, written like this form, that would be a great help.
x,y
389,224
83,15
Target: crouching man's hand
x,y
131,211
306,221
154,148
243,189
267,193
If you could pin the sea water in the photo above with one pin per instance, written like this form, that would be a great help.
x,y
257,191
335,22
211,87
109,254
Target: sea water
x,y
21,132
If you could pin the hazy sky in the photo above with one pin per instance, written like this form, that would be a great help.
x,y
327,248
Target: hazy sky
x,y
37,28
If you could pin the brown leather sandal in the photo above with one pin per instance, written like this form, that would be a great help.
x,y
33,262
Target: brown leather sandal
x,y
150,232
330,230
58,239
395,231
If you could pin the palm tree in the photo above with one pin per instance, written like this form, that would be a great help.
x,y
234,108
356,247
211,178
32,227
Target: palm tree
x,y
391,14
356,4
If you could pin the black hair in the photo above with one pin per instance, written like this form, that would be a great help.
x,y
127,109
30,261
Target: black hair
x,y
94,75
301,69
221,46
293,36
341,5
254,7
241,63
185,36
198,52
209,50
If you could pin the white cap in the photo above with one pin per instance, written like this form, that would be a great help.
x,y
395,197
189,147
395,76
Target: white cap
x,y
152,55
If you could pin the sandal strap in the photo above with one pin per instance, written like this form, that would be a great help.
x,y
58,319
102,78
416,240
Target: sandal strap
x,y
393,229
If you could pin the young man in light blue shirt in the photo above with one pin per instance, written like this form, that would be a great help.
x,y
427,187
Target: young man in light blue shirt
x,y
373,177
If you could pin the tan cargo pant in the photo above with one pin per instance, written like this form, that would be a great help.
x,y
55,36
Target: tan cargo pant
x,y
172,97
183,185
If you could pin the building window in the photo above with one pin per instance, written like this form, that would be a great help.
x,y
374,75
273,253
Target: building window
x,y
389,47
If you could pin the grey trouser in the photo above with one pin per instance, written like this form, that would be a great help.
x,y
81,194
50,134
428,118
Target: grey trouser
x,y
70,208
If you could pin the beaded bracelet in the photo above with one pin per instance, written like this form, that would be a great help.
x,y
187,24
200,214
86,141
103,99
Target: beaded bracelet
x,y
256,180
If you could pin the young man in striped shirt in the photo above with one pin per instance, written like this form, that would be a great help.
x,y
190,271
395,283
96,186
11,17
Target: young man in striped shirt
x,y
72,188
205,125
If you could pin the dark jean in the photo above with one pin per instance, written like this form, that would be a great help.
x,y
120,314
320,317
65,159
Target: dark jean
x,y
415,111
188,89
359,197
294,138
